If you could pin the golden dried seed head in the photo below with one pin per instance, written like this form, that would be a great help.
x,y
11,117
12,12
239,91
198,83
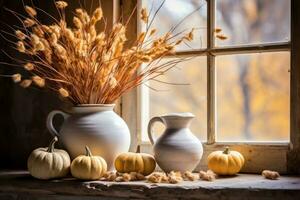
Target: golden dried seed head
x,y
21,47
46,28
69,34
20,35
169,48
64,93
30,11
113,82
146,59
144,15
26,83
77,22
82,15
38,31
79,11
60,51
152,32
34,39
178,41
218,30
29,22
45,43
61,4
55,29
48,55
53,39
16,78
98,14
39,47
222,37
38,81
100,37
190,35
141,37
29,66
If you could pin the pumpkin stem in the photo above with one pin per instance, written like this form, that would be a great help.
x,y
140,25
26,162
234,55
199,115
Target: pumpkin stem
x,y
88,151
138,149
226,151
51,145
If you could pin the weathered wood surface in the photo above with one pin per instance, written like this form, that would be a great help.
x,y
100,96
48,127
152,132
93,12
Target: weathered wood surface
x,y
19,185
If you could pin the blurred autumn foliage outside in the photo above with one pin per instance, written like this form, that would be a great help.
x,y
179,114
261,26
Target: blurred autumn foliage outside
x,y
252,90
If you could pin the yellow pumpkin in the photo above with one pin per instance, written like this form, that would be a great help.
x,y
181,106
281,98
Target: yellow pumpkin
x,y
135,162
88,167
48,163
225,162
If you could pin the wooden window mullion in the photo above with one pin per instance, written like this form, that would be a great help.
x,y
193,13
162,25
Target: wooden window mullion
x,y
211,125
244,49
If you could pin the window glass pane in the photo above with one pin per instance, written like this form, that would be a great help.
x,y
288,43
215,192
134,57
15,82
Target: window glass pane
x,y
173,12
190,97
253,97
253,21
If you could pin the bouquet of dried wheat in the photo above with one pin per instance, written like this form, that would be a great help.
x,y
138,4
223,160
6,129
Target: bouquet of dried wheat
x,y
88,66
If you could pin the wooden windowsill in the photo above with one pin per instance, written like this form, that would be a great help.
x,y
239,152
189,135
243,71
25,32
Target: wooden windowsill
x,y
19,185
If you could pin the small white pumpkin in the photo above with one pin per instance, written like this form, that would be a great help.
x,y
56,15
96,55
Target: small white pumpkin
x,y
48,163
88,167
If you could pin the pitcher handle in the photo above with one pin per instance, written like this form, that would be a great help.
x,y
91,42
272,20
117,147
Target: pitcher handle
x,y
150,128
49,123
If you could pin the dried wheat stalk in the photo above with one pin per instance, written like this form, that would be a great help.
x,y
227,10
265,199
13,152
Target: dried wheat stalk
x,y
87,66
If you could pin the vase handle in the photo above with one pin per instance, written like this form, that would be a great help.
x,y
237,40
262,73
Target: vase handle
x,y
150,128
49,123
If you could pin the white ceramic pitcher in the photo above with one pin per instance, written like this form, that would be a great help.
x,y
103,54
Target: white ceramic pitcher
x,y
96,126
177,148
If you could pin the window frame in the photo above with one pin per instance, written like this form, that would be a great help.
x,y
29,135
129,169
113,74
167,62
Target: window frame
x,y
282,157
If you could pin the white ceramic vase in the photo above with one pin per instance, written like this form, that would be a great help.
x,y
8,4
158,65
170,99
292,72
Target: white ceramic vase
x,y
94,125
177,148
